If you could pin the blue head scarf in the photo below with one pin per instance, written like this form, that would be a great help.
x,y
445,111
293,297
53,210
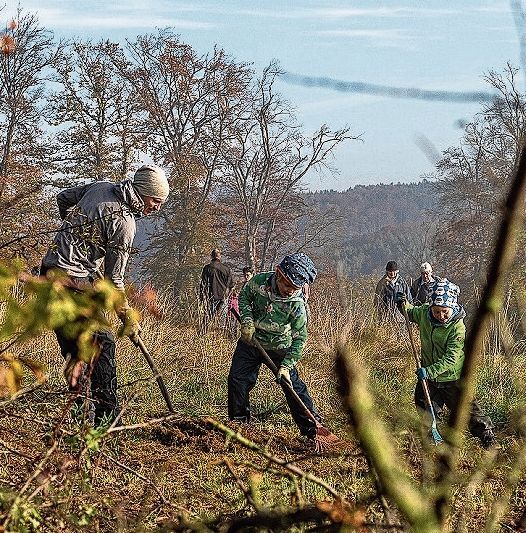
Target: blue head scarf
x,y
444,293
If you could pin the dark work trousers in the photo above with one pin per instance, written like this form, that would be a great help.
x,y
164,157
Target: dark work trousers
x,y
211,308
102,373
448,393
242,378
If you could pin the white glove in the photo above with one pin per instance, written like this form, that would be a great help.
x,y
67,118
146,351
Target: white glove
x,y
283,374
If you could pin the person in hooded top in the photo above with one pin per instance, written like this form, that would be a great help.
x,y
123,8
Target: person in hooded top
x,y
272,310
442,335
97,231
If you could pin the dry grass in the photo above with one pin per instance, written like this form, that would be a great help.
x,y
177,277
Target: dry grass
x,y
173,472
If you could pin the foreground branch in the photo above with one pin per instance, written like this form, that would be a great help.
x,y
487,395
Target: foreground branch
x,y
291,467
417,508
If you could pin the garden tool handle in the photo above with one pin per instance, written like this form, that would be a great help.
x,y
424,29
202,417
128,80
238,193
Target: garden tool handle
x,y
410,332
164,391
274,369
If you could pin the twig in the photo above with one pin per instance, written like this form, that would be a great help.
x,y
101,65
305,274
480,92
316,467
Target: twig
x,y
148,423
490,303
472,485
277,520
240,484
36,472
291,467
377,444
19,394
16,452
381,496
514,477
157,490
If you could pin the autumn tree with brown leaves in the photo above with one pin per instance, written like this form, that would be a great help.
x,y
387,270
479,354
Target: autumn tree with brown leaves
x,y
95,113
27,53
190,103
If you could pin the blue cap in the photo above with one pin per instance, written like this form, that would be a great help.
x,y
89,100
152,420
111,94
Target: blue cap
x,y
298,268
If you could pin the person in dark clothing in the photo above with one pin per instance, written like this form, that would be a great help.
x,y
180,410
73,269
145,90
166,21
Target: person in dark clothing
x,y
216,284
272,311
421,287
99,227
385,294
442,334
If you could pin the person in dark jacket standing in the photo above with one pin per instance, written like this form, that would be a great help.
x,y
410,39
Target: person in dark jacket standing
x,y
385,294
98,230
421,287
216,284
442,335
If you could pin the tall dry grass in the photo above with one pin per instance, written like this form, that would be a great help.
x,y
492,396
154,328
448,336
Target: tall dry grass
x,y
183,459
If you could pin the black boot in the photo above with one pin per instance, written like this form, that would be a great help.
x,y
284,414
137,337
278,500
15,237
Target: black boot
x,y
488,440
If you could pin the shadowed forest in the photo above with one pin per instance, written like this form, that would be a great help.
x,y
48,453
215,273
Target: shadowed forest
x,y
237,158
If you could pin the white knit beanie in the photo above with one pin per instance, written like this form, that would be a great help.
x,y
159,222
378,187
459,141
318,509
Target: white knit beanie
x,y
150,180
426,267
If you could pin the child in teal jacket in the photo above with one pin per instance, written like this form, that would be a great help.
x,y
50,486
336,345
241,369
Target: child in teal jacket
x,y
442,334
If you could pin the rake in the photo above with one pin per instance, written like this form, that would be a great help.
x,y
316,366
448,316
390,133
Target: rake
x,y
324,440
151,363
437,438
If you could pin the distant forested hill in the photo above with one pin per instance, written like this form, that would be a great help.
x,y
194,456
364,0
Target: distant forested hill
x,y
375,223
379,223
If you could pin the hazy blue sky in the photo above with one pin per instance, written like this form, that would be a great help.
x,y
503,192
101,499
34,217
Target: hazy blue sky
x,y
442,45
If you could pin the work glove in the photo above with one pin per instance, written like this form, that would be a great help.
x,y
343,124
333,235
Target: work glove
x,y
130,326
247,332
422,373
401,298
73,370
283,375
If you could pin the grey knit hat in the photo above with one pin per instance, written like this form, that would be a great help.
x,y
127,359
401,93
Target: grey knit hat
x,y
150,180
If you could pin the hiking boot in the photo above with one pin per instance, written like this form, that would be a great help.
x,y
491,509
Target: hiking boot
x,y
488,440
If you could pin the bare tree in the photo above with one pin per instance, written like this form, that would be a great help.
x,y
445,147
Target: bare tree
x,y
267,159
474,177
27,53
22,72
97,116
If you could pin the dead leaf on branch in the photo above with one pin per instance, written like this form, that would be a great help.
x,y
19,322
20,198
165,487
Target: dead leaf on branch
x,y
341,512
11,376
10,379
7,44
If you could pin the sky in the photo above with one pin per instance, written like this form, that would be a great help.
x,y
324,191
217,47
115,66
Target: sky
x,y
430,45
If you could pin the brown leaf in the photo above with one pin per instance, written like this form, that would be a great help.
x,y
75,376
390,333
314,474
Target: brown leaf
x,y
341,512
36,367
7,44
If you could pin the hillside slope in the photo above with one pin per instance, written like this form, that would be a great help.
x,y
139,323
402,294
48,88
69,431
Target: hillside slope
x,y
381,222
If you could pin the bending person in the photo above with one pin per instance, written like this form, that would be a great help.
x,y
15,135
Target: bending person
x,y
272,311
99,226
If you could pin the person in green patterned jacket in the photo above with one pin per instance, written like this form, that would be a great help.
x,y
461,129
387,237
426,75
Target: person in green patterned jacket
x,y
442,334
272,310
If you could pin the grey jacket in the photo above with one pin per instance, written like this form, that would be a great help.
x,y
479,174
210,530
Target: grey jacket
x,y
420,290
99,224
385,296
